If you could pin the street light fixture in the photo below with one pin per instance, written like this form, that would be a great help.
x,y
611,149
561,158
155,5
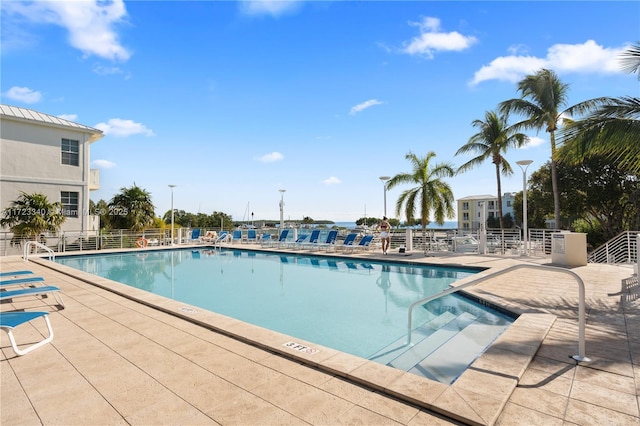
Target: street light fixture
x,y
282,191
172,186
384,180
524,164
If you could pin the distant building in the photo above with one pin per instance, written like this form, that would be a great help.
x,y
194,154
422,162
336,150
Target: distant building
x,y
48,155
470,209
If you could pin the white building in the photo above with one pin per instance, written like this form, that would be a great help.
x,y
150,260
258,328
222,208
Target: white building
x,y
48,155
470,209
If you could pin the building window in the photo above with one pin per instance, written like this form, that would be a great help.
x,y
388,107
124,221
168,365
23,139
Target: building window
x,y
465,216
492,205
465,206
509,203
69,201
70,152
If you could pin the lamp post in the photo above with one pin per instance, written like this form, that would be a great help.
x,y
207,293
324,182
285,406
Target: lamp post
x,y
384,180
282,191
524,164
172,186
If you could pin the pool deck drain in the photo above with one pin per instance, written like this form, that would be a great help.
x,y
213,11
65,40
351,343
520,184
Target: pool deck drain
x,y
115,352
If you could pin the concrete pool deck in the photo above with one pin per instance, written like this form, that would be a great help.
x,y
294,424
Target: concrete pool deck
x,y
118,359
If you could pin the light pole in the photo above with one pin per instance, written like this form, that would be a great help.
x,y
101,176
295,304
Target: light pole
x,y
282,191
384,180
524,164
172,186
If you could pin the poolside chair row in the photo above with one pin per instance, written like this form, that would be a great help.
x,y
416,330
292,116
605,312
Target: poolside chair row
x,y
11,320
312,241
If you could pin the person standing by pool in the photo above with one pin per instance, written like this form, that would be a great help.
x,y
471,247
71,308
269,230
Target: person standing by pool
x,y
385,237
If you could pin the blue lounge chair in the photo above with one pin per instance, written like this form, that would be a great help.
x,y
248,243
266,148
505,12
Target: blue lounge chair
x,y
195,235
252,236
32,291
364,243
236,236
281,240
348,241
298,242
15,273
265,239
10,320
330,241
313,239
20,281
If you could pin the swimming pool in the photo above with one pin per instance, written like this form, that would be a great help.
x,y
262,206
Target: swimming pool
x,y
354,306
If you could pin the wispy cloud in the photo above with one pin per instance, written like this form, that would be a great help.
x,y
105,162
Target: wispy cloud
x,y
123,128
103,164
70,117
534,141
274,8
364,105
23,94
271,157
90,23
588,57
332,181
431,39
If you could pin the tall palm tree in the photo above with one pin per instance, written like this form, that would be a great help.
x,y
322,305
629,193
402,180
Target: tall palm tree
x,y
431,195
32,214
494,139
132,209
612,128
542,97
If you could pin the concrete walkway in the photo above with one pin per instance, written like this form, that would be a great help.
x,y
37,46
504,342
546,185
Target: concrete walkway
x,y
115,360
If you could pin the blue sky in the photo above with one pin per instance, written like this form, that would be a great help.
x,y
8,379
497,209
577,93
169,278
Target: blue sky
x,y
233,101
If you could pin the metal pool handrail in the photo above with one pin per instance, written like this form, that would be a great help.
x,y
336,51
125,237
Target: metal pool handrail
x,y
581,357
27,249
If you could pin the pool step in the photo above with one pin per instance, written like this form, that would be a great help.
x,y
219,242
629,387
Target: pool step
x,y
443,347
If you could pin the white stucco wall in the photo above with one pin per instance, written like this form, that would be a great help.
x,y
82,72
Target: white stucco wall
x,y
31,161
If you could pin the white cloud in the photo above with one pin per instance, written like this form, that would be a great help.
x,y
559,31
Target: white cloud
x,y
431,39
123,128
364,105
332,181
588,57
269,7
271,157
534,141
23,94
103,164
70,117
90,23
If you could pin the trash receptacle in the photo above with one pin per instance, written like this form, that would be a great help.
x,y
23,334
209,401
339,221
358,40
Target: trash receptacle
x,y
569,249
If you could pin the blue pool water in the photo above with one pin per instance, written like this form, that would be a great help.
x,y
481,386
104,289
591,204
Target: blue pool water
x,y
351,305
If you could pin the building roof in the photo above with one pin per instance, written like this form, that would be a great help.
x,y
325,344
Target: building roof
x,y
39,117
479,197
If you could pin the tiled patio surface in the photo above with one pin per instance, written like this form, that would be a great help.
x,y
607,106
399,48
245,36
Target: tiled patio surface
x,y
114,360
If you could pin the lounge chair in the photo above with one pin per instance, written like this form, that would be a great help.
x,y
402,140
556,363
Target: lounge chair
x,y
236,236
330,241
210,236
252,236
265,239
32,291
10,320
348,241
281,240
20,281
364,243
297,243
15,273
313,239
195,236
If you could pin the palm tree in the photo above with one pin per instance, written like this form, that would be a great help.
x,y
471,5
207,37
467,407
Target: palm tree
x,y
132,209
542,97
613,127
32,214
431,195
494,138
